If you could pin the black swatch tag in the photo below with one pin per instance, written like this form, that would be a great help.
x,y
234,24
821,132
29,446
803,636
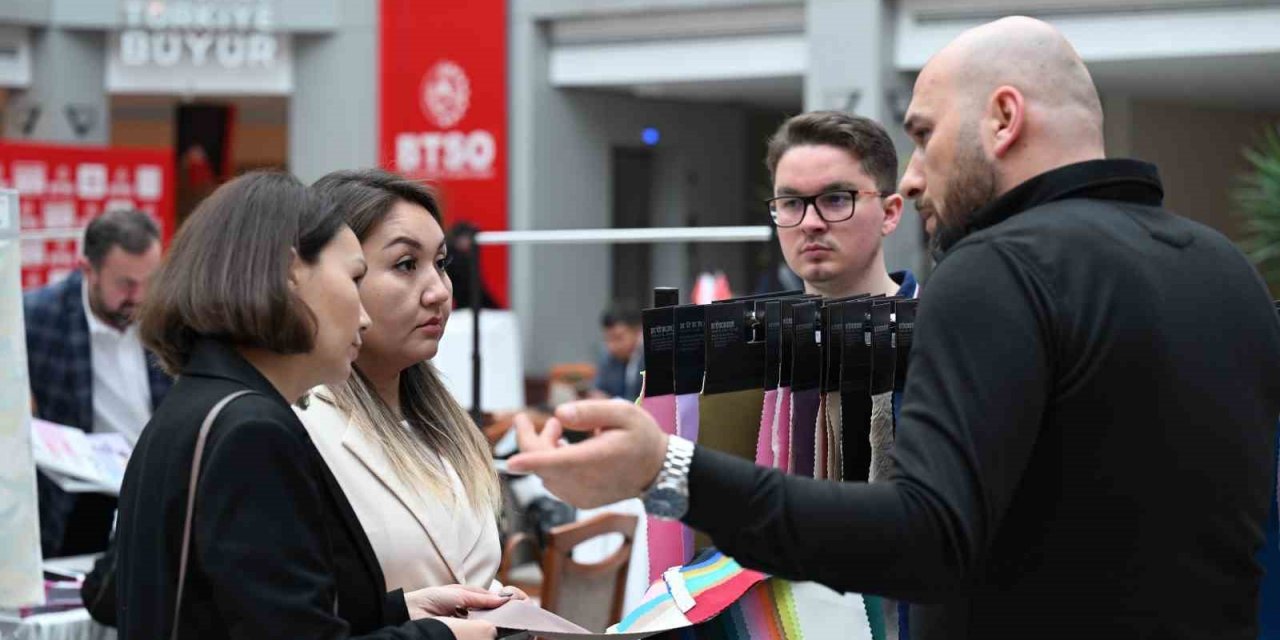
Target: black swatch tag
x,y
832,346
904,331
691,353
806,357
882,358
659,351
734,363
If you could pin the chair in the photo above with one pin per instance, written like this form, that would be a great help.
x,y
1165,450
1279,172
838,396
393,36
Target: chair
x,y
569,381
590,595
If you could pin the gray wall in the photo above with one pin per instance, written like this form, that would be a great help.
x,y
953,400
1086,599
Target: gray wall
x,y
333,113
68,68
1198,183
290,15
850,62
561,142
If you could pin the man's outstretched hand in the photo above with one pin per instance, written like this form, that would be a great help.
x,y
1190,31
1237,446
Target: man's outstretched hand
x,y
620,461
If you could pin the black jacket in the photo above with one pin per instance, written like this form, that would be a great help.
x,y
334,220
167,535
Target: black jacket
x,y
1085,441
274,540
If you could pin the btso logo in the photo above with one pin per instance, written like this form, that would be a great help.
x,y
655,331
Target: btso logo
x,y
446,93
445,97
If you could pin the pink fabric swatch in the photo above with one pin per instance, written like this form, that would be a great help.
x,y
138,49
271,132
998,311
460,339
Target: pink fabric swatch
x,y
782,431
764,442
666,537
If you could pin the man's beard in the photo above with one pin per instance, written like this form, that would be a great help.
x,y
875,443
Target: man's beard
x,y
973,187
120,317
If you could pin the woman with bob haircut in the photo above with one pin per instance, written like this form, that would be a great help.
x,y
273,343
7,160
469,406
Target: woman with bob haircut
x,y
419,472
230,523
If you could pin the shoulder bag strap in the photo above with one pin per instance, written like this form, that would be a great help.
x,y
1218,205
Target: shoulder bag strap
x,y
191,502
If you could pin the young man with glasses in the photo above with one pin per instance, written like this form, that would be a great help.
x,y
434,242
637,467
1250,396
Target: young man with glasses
x,y
834,203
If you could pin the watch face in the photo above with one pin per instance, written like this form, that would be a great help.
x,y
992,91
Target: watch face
x,y
666,502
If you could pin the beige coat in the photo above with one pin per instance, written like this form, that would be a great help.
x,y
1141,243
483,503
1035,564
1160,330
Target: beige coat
x,y
420,542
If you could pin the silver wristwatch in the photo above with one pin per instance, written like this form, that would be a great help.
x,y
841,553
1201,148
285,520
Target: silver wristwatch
x,y
668,497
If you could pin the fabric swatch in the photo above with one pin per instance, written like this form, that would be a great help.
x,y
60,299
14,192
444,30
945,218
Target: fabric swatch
x,y
782,431
730,602
687,416
881,436
855,428
835,441
687,428
715,581
666,537
764,440
804,415
726,421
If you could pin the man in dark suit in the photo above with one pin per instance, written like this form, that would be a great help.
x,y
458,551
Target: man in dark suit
x,y
87,367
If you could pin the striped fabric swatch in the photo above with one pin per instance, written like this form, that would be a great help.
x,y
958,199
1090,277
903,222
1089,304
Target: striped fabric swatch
x,y
733,603
714,581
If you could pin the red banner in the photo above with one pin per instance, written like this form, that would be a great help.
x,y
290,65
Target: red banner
x,y
63,187
443,111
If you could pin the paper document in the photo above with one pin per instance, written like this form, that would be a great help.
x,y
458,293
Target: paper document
x,y
80,462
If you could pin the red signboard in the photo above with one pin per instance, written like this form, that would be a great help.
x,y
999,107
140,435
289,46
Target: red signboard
x,y
63,187
443,111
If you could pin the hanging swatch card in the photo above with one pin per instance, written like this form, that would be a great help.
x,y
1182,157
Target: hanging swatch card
x,y
764,429
732,395
770,315
690,367
832,350
883,359
782,418
665,538
659,351
806,396
903,333
883,364
855,390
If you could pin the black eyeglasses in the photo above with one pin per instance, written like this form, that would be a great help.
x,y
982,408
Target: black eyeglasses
x,y
832,206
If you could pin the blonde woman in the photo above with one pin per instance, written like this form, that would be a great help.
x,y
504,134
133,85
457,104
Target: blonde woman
x,y
418,472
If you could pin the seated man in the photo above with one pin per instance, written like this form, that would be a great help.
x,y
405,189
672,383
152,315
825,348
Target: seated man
x,y
87,367
618,374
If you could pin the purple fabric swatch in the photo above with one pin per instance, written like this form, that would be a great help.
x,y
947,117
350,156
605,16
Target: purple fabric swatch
x,y
687,416
804,418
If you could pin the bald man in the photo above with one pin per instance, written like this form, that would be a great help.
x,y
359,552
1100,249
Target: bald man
x,y
1085,443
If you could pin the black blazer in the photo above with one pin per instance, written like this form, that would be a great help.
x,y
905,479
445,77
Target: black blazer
x,y
275,544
